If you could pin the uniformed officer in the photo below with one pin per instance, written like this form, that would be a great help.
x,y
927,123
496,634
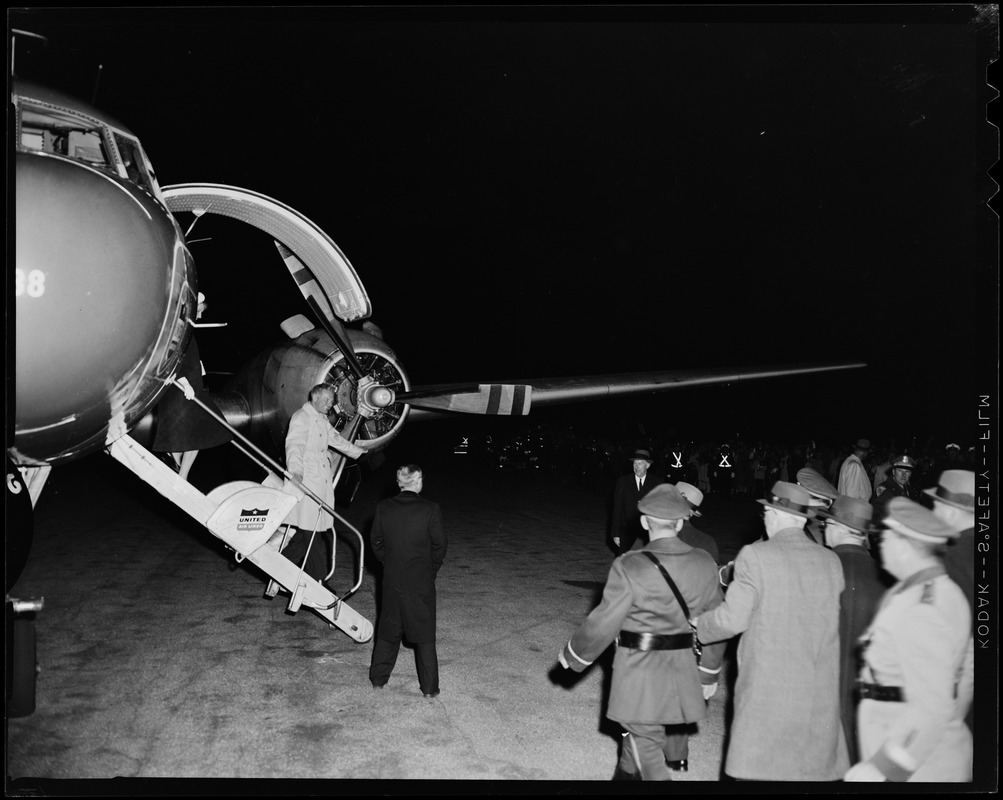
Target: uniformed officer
x,y
910,718
656,679
897,484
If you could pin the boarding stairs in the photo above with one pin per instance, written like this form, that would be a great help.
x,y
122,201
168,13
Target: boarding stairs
x,y
248,518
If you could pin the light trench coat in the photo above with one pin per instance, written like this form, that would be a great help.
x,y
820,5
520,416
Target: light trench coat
x,y
307,442
784,601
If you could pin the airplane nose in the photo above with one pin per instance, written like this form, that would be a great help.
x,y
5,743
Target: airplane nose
x,y
99,265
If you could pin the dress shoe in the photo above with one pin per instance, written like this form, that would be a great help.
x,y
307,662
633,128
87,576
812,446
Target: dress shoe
x,y
620,774
682,765
430,694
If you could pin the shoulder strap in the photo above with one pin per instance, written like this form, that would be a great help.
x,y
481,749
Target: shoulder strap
x,y
668,580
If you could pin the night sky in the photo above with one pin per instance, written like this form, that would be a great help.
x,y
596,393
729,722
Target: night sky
x,y
590,191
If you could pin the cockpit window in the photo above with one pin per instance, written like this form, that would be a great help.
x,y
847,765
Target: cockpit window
x,y
135,165
61,133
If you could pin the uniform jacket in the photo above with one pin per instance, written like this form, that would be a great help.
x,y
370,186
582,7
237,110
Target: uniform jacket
x,y
652,686
409,538
307,441
888,489
919,640
784,600
853,479
626,519
865,586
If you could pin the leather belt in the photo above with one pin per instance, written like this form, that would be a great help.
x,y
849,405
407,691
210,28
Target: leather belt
x,y
655,641
886,694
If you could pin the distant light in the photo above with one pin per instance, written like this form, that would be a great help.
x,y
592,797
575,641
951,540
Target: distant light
x,y
761,133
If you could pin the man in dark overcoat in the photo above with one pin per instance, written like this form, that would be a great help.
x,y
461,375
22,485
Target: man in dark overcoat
x,y
847,524
656,678
784,601
626,519
691,534
409,538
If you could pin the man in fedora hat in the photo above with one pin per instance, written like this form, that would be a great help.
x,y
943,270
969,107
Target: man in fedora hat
x,y
822,494
784,600
909,721
628,490
847,523
853,478
690,534
656,678
954,502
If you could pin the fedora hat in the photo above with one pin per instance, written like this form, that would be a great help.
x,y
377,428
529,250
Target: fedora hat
x,y
642,455
816,485
956,487
909,518
863,444
853,513
692,494
664,502
790,498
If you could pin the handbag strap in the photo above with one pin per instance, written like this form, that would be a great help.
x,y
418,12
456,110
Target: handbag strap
x,y
672,583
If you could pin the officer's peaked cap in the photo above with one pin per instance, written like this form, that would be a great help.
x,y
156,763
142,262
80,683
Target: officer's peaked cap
x,y
816,485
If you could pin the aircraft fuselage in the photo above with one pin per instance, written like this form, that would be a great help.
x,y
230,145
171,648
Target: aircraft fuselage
x,y
105,286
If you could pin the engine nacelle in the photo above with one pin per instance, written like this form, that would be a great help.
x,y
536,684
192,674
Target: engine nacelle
x,y
263,396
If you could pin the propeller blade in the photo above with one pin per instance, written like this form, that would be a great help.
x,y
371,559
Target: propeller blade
x,y
336,330
494,399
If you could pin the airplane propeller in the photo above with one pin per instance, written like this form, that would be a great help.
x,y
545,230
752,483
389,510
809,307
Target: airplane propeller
x,y
336,330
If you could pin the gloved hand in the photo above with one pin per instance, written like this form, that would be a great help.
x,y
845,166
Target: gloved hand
x,y
616,541
709,689
186,387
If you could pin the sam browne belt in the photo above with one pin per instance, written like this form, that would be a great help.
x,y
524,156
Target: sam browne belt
x,y
655,641
886,694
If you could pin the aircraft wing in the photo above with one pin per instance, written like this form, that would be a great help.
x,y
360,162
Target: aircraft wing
x,y
538,392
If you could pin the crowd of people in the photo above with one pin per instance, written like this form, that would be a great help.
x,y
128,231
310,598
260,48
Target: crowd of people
x,y
853,615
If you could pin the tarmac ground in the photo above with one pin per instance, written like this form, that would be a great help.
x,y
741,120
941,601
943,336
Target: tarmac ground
x,y
163,668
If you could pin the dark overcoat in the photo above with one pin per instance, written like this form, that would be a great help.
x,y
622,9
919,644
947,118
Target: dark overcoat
x,y
409,538
865,586
626,519
652,686
695,537
183,425
784,600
